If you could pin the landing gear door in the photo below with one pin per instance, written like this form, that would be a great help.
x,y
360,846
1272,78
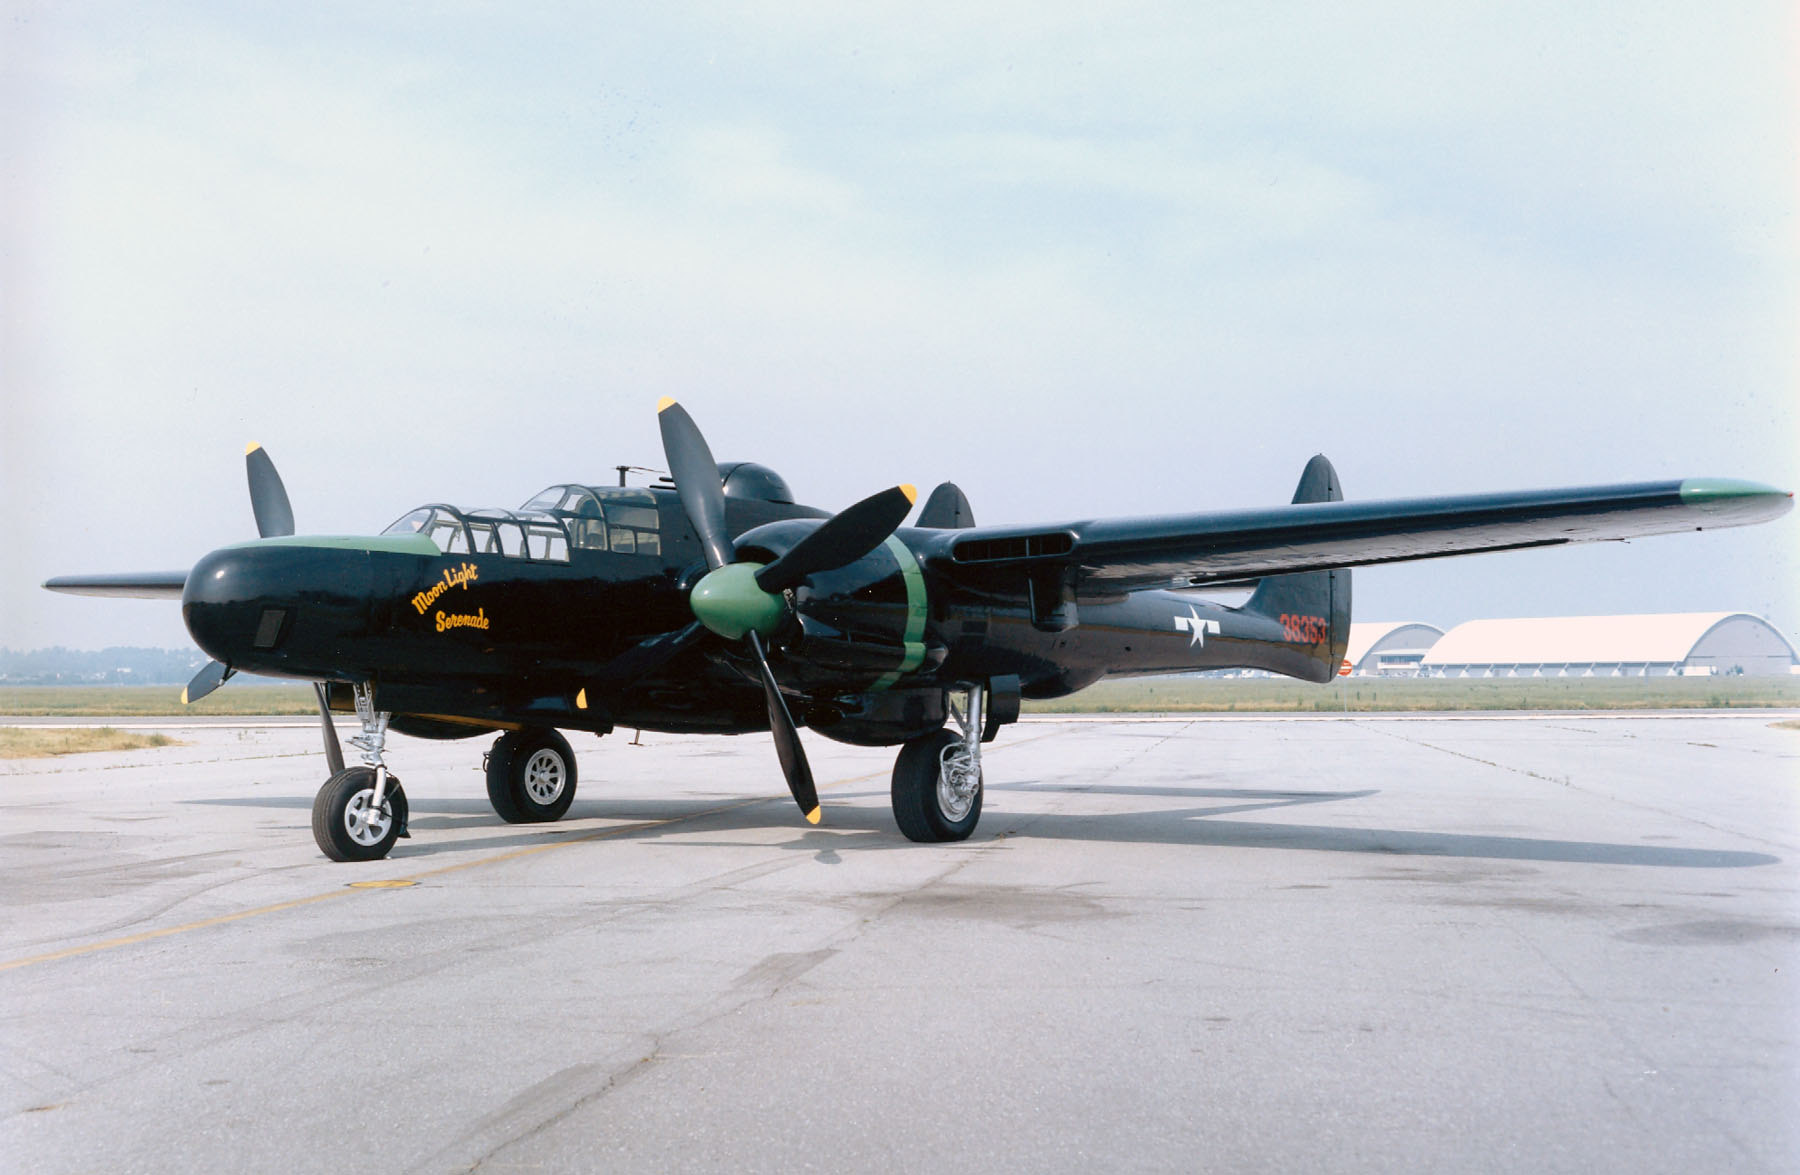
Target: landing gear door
x,y
1002,705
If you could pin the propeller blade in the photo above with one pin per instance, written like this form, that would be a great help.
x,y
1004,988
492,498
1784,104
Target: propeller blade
x,y
212,675
841,539
268,498
696,477
787,738
334,750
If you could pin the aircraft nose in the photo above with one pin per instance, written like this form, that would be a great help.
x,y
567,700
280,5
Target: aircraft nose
x,y
223,592
276,606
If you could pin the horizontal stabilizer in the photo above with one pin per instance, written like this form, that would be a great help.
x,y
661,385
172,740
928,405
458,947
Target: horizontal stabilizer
x,y
139,585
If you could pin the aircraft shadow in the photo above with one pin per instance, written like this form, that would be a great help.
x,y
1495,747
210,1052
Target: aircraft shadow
x,y
1189,827
1186,793
857,830
448,813
866,828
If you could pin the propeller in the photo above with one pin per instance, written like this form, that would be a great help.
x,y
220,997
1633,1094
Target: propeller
x,y
274,519
843,538
268,497
696,477
212,675
745,601
334,750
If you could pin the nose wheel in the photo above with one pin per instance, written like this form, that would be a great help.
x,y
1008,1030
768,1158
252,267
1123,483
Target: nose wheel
x,y
350,823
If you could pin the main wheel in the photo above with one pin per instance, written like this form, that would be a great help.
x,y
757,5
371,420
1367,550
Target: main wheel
x,y
531,776
935,799
347,826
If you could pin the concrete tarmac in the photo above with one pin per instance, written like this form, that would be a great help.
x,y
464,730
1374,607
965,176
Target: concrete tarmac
x,y
1564,943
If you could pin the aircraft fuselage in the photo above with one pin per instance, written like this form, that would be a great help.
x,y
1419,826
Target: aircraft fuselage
x,y
462,642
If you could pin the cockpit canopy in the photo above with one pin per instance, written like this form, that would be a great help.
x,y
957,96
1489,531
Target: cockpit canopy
x,y
520,534
624,521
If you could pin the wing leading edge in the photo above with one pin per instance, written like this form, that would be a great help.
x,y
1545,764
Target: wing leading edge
x,y
1110,556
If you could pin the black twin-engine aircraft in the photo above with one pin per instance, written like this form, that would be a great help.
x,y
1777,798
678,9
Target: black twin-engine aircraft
x,y
720,605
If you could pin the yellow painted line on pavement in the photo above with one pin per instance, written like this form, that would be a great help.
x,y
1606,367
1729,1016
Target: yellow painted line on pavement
x,y
150,935
359,887
413,879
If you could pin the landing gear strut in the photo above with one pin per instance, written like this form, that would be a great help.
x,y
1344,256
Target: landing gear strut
x,y
361,811
937,778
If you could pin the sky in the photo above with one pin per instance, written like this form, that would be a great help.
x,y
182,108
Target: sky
x,y
1085,260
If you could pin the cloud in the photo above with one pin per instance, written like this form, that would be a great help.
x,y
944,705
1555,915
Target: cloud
x,y
1081,260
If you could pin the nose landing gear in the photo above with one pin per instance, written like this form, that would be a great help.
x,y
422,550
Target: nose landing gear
x,y
361,811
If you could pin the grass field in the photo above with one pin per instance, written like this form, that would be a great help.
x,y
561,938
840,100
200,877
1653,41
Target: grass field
x,y
152,701
1165,694
40,744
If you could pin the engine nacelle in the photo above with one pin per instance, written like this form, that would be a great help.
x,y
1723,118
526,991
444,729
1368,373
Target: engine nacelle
x,y
748,481
879,720
859,628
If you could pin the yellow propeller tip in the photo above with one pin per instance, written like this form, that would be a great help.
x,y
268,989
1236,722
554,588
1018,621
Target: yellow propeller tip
x,y
184,700
812,817
252,447
665,403
911,492
581,700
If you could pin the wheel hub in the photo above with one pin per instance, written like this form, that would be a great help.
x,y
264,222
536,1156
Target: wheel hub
x,y
958,783
365,824
545,777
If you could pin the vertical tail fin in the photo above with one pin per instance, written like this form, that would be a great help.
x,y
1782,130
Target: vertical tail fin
x,y
947,509
1314,606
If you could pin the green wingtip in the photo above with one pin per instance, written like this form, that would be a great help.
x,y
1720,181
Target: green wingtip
x,y
1747,500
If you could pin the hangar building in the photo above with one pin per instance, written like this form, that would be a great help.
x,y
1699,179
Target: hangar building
x,y
1389,648
1662,645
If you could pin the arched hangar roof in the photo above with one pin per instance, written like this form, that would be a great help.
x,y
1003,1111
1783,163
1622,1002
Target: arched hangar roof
x,y
1659,638
1368,635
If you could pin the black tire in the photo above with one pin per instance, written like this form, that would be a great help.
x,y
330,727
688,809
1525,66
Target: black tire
x,y
531,776
340,822
919,808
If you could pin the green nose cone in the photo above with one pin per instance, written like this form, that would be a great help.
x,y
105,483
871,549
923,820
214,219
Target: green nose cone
x,y
728,602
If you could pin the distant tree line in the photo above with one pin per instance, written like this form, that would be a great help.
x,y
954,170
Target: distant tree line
x,y
119,665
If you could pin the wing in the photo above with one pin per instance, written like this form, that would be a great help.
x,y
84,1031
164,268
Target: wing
x,y
142,585
1111,556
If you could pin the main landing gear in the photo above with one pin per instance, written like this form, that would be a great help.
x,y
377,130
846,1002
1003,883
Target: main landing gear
x,y
531,775
361,811
937,778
